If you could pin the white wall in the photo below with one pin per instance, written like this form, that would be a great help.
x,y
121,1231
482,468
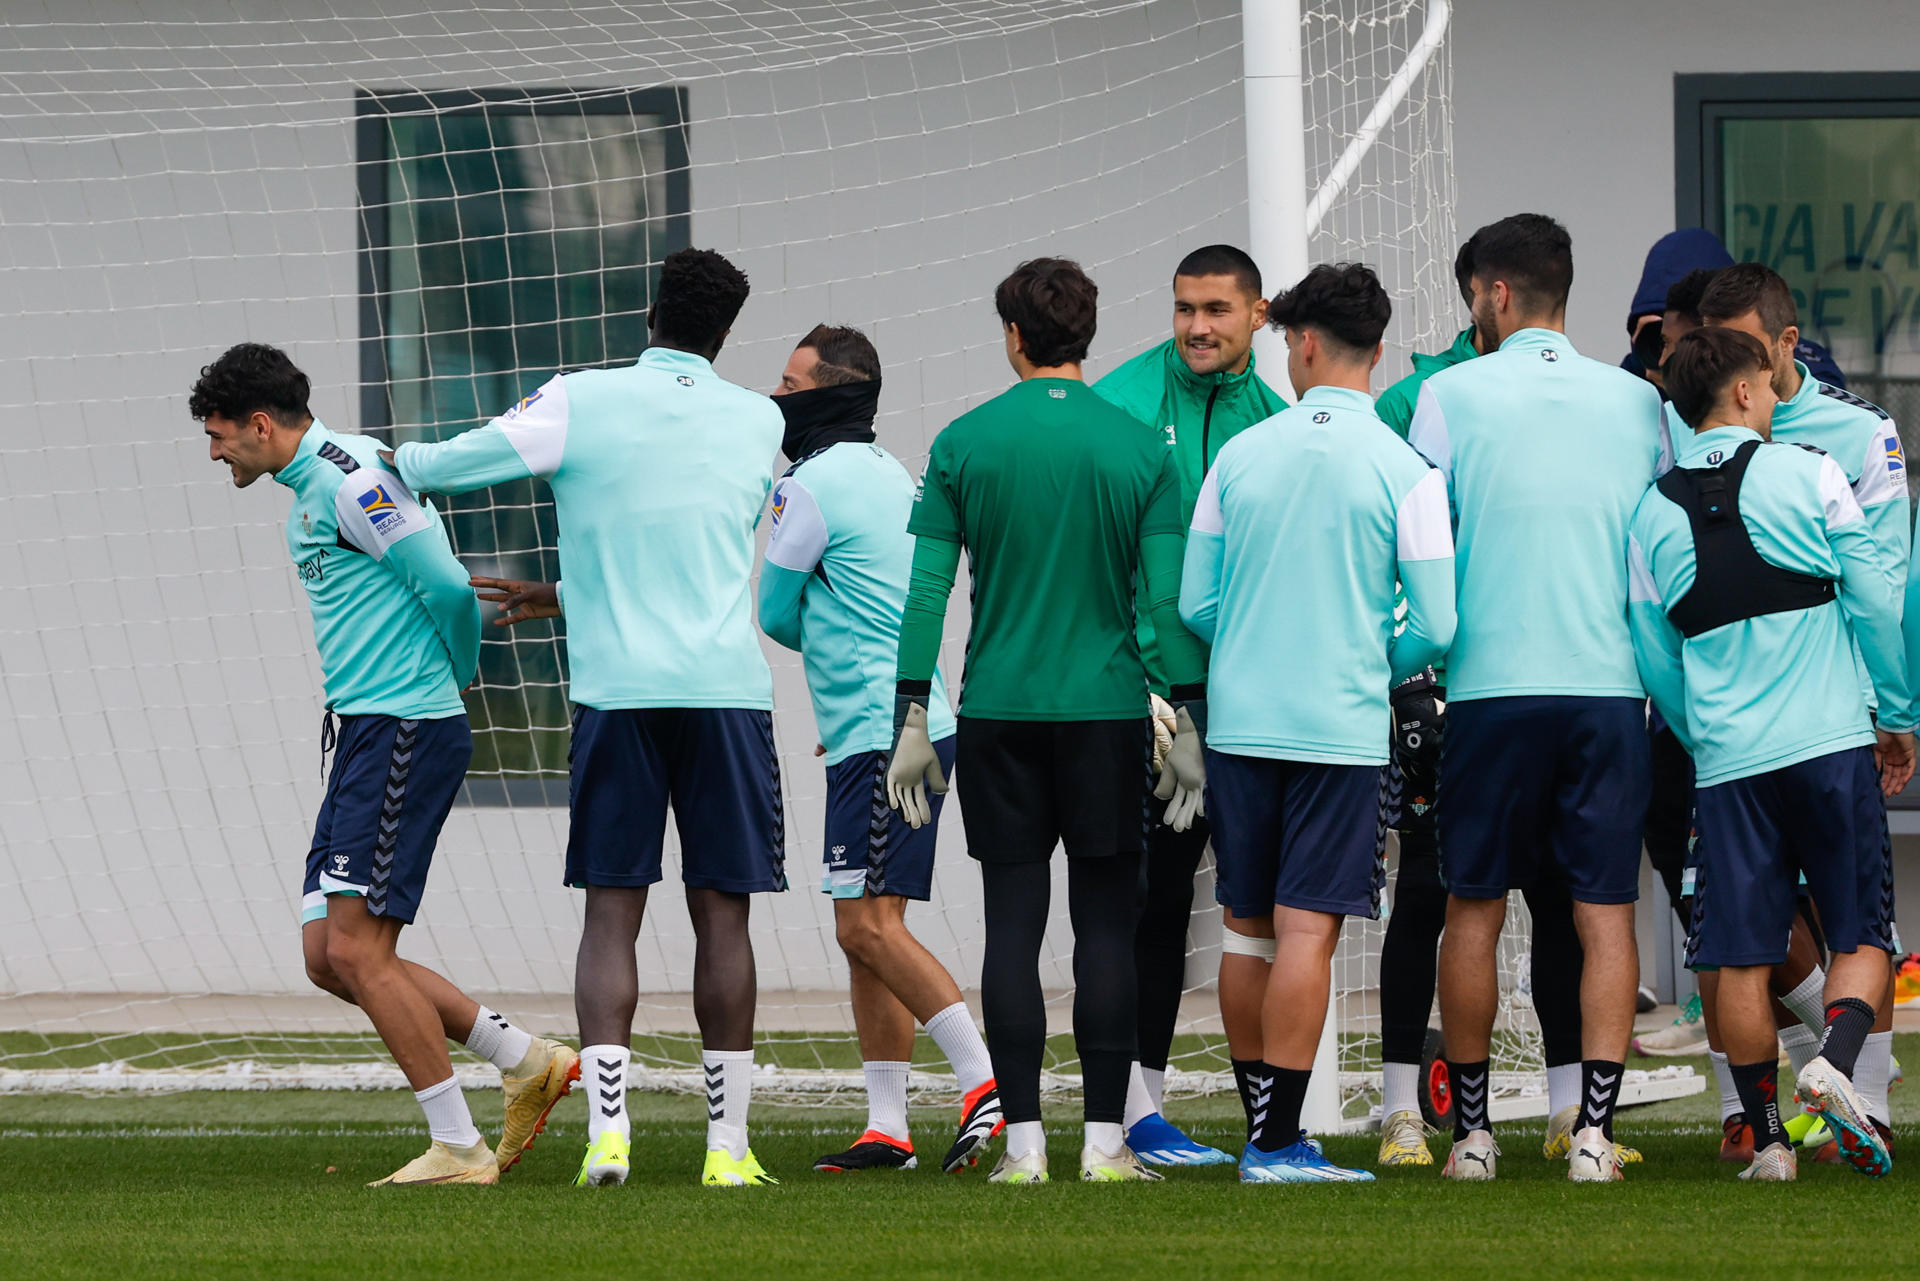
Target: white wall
x,y
1567,109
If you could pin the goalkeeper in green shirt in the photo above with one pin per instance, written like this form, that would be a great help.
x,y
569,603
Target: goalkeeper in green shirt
x,y
1062,502
1198,389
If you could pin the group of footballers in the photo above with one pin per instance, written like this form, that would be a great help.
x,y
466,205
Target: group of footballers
x,y
1199,616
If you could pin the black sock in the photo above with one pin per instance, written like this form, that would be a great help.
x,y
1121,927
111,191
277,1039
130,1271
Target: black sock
x,y
1277,1121
1246,1075
1849,1019
1759,1086
1600,1090
1469,1082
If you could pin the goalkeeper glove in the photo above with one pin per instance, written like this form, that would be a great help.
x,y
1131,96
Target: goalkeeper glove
x,y
915,768
1164,725
1183,778
1419,719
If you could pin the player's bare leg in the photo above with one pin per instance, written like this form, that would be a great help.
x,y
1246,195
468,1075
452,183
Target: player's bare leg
x,y
1608,987
360,953
724,992
606,988
1469,998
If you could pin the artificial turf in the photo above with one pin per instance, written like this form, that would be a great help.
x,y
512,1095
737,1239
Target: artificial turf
x,y
253,1185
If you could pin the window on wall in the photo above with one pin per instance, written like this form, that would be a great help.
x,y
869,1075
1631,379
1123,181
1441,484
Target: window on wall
x,y
1818,176
506,236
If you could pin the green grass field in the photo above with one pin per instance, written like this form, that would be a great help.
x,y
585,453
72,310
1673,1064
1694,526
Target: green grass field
x,y
226,1185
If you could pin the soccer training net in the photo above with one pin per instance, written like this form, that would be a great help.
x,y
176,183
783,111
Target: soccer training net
x,y
433,206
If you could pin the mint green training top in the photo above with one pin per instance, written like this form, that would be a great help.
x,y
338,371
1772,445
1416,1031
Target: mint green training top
x,y
1302,529
659,471
833,587
1763,693
1546,454
397,626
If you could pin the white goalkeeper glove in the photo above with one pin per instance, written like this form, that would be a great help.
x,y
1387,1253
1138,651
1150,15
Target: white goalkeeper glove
x,y
915,769
1163,729
1183,778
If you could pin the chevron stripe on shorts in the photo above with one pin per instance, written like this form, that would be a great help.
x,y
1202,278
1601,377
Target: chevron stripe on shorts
x,y
779,846
879,828
388,835
1388,810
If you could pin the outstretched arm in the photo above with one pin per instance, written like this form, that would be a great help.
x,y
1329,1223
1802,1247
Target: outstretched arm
x,y
527,440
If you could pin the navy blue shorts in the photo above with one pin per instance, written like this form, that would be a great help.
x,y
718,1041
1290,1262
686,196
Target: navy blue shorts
x,y
1297,834
390,789
1553,775
870,849
716,765
1824,818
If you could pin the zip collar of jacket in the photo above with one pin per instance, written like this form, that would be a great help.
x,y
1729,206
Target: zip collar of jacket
x,y
1225,382
1459,353
1337,398
1537,339
316,435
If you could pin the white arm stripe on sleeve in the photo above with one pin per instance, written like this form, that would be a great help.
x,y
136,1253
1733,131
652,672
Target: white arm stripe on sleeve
x,y
1640,584
1423,522
1428,432
1883,473
537,427
1206,508
374,511
1837,496
799,537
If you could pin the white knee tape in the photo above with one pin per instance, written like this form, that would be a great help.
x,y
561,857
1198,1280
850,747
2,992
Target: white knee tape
x,y
1232,944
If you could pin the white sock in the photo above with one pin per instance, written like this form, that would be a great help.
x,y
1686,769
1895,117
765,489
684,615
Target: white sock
x,y
1025,1138
1107,1136
1801,1044
953,1030
603,1074
1729,1093
1399,1088
1873,1073
1139,1097
1156,1079
448,1120
887,1097
498,1041
1808,1001
729,1091
1563,1087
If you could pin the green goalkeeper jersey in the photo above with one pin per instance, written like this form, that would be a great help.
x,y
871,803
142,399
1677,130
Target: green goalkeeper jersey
x,y
1051,490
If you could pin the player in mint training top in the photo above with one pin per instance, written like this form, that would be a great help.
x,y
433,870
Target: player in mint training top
x,y
1545,453
1061,500
832,587
1305,525
1754,575
659,472
1201,390
1409,952
1863,440
399,638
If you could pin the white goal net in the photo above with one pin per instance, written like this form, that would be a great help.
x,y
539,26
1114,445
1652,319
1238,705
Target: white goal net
x,y
433,206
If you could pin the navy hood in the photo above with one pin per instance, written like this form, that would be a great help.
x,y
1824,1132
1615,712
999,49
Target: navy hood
x,y
1673,256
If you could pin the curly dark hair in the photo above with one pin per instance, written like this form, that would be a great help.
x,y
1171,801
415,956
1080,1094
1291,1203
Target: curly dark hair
x,y
1056,306
247,378
700,295
1342,300
1685,294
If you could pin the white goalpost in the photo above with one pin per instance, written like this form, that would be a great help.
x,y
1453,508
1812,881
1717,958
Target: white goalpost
x,y
433,207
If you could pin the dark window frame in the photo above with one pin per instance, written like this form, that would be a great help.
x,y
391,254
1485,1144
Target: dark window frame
x,y
372,160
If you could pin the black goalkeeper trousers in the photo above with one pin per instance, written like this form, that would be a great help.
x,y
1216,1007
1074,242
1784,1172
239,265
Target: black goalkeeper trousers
x,y
1160,940
1409,958
1102,904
